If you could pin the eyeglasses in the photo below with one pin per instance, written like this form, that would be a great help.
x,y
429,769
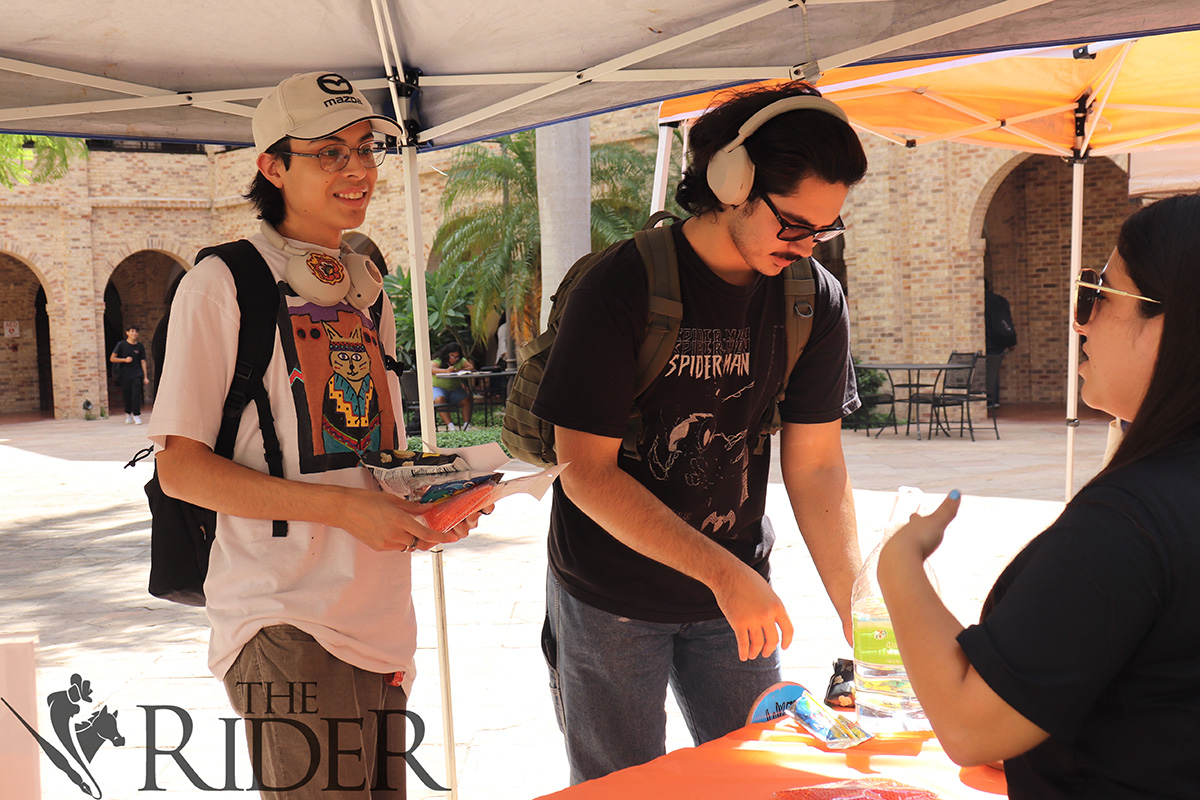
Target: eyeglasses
x,y
790,232
1088,287
335,157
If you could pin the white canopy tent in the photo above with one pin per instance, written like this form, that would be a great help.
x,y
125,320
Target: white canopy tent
x,y
457,71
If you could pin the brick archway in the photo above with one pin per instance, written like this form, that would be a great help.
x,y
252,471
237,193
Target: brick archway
x,y
1023,213
180,252
28,367
135,293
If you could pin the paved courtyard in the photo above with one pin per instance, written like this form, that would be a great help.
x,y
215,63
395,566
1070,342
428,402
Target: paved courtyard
x,y
74,552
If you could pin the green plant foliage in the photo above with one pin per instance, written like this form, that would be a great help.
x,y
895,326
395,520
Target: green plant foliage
x,y
449,312
492,235
36,159
470,438
869,382
622,184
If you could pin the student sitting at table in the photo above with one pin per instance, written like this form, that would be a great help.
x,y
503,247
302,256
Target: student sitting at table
x,y
449,391
1084,671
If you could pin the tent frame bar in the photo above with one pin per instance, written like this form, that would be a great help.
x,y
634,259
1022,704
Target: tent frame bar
x,y
609,70
612,65
551,83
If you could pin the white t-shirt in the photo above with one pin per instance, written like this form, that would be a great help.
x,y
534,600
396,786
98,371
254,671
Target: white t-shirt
x,y
356,602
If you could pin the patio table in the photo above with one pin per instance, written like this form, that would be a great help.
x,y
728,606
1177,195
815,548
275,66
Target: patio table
x,y
913,385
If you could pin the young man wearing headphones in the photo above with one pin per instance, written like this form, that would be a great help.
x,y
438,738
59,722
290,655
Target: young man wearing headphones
x,y
314,628
659,564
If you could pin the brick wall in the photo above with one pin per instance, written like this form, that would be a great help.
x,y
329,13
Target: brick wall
x,y
18,364
914,251
1028,226
921,223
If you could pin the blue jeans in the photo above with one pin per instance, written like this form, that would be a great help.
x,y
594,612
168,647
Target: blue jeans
x,y
609,678
450,396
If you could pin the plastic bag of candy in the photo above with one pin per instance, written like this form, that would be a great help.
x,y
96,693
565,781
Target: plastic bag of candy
x,y
453,483
834,730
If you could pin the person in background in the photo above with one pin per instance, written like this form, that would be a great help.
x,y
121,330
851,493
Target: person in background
x,y
450,391
132,374
505,355
1000,336
1083,674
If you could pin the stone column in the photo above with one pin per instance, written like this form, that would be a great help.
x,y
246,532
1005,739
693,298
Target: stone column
x,y
564,173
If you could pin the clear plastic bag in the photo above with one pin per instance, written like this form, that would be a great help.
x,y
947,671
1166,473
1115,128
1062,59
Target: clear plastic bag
x,y
836,731
453,484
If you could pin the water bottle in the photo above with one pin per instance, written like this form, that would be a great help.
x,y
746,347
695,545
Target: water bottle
x,y
882,692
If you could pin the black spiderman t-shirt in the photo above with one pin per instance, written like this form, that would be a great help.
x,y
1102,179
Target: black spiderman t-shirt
x,y
700,418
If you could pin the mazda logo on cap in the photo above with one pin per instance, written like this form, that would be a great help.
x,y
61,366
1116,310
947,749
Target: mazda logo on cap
x,y
334,84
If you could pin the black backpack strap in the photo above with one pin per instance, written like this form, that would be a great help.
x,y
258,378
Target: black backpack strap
x,y
258,303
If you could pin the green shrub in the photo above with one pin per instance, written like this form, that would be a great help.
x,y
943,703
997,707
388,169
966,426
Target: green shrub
x,y
477,434
870,381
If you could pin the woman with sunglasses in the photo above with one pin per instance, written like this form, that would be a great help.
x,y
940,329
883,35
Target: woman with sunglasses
x,y
1083,674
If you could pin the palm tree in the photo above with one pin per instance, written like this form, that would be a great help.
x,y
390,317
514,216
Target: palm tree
x,y
36,159
492,238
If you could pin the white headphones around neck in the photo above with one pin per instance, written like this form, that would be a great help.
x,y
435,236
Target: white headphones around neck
x,y
322,279
731,172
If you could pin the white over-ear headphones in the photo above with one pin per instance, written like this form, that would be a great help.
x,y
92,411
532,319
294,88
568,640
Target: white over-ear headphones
x,y
730,170
322,279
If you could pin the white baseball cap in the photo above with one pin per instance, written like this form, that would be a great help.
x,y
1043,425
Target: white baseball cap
x,y
314,105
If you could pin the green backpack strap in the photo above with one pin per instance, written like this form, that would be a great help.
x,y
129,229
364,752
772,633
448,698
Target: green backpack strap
x,y
657,248
799,297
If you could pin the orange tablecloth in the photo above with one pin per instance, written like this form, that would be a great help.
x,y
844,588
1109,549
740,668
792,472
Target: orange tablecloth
x,y
754,762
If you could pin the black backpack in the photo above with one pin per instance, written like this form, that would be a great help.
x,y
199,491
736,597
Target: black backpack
x,y
530,438
181,534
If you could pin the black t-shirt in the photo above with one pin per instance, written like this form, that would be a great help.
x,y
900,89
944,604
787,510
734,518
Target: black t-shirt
x,y
700,418
133,369
1091,634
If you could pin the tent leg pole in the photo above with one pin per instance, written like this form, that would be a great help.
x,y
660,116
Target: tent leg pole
x,y
1072,337
412,196
662,167
443,637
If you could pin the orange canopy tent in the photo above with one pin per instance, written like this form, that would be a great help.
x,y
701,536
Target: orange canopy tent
x,y
1076,102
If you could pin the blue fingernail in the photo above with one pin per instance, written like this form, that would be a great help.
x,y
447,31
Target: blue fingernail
x,y
954,495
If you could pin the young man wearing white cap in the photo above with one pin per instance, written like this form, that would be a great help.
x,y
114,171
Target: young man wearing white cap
x,y
313,630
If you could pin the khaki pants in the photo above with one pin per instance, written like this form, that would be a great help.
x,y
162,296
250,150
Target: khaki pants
x,y
314,723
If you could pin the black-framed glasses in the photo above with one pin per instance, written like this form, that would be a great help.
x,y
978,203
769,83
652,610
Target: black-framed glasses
x,y
791,232
335,157
1088,287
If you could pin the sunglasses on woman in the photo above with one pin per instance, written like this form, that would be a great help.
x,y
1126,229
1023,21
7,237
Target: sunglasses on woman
x,y
1088,287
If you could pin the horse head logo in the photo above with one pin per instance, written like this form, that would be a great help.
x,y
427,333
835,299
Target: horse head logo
x,y
80,740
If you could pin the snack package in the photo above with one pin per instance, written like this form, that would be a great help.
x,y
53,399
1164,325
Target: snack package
x,y
454,483
836,731
857,789
412,475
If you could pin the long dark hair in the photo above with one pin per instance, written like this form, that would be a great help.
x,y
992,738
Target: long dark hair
x,y
444,352
265,196
785,150
1160,245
